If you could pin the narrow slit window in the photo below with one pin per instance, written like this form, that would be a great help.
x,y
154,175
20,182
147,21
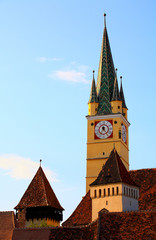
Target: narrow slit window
x,y
99,192
104,192
108,191
95,193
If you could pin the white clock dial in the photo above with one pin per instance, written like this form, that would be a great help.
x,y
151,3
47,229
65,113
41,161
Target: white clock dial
x,y
124,133
103,129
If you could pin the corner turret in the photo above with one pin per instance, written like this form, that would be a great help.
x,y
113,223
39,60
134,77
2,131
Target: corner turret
x,y
124,107
116,102
93,100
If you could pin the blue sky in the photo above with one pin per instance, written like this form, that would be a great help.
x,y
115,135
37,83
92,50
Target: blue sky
x,y
48,50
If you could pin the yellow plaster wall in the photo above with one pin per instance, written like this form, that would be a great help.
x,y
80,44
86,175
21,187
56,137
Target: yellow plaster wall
x,y
116,106
92,108
98,150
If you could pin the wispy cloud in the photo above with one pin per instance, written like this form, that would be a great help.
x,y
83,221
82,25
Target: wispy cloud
x,y
19,167
45,59
70,76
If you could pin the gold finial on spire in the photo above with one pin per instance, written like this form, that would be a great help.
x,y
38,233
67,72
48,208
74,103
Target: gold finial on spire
x,y
104,19
40,162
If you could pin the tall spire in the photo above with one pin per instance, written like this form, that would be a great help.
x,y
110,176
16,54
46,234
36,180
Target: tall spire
x,y
106,75
93,94
116,94
122,95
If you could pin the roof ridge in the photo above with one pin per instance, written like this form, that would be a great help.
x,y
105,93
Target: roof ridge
x,y
44,184
117,165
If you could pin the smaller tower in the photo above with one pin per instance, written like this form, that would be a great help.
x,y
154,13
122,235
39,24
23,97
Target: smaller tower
x,y
116,102
93,100
39,204
114,189
124,107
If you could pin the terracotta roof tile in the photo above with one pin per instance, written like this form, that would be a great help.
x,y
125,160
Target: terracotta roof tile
x,y
82,214
127,225
113,171
31,234
7,224
146,179
39,193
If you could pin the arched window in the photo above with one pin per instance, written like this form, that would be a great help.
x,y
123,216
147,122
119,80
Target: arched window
x,y
99,192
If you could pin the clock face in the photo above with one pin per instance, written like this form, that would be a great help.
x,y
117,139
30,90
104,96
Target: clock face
x,y
124,133
103,129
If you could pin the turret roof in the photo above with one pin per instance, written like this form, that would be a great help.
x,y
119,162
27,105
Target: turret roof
x,y
106,76
122,95
116,94
113,171
39,193
93,93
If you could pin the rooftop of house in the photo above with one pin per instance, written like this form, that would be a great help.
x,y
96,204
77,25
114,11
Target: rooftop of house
x,y
7,224
39,193
124,225
113,171
145,178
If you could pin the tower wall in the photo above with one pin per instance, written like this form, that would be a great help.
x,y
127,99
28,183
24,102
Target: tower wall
x,y
98,150
117,197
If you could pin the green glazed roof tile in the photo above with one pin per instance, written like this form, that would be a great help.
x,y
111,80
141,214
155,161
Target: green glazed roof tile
x,y
106,76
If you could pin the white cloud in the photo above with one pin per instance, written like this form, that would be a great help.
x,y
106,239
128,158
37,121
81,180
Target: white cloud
x,y
45,59
70,76
23,168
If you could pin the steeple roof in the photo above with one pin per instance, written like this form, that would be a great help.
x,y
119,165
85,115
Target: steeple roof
x,y
116,94
93,93
39,193
122,95
106,76
113,171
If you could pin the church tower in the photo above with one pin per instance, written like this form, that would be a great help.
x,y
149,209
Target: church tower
x,y
107,123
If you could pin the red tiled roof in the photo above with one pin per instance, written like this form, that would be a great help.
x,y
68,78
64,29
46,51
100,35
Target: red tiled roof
x,y
82,214
127,225
39,193
75,233
146,179
7,224
113,171
31,234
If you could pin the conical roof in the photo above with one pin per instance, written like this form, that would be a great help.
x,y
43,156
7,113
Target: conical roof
x,y
106,76
122,95
39,193
113,171
116,94
93,94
